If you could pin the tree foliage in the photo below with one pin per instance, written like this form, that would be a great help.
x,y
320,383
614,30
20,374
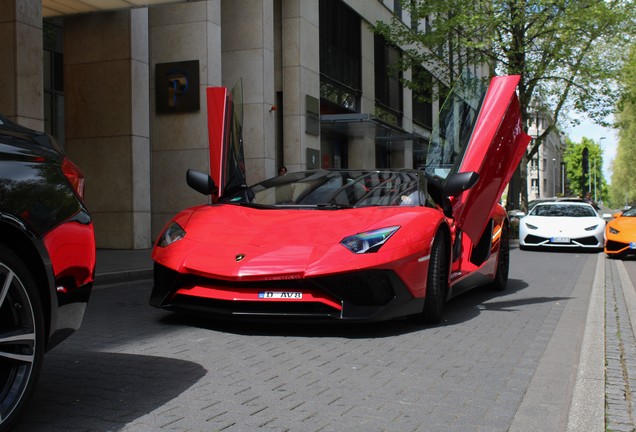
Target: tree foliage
x,y
623,190
585,174
567,52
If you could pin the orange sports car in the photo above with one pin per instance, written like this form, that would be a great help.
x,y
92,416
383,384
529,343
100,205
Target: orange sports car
x,y
620,234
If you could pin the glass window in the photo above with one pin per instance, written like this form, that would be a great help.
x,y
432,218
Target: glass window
x,y
563,210
388,82
53,85
340,54
422,97
336,189
457,118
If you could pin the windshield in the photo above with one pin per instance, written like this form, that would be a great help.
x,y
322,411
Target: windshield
x,y
630,213
451,134
335,189
565,210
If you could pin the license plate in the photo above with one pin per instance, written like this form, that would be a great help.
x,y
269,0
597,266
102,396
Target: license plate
x,y
560,240
296,295
632,245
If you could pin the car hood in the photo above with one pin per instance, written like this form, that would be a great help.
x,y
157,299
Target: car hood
x,y
232,241
624,224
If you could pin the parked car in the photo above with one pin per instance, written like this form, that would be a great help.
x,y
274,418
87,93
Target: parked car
x,y
620,234
351,245
47,258
562,224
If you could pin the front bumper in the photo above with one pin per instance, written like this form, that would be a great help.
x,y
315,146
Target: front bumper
x,y
619,248
367,295
588,242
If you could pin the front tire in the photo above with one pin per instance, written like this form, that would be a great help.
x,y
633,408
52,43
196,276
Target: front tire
x,y
436,282
21,337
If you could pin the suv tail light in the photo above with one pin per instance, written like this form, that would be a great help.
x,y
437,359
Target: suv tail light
x,y
74,175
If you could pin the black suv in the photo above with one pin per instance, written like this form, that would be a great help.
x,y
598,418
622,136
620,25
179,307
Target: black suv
x,y
47,258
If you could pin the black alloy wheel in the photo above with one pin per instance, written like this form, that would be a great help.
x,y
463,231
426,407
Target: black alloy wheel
x,y
436,282
503,260
21,337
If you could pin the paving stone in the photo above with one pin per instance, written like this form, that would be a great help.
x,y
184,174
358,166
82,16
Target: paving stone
x,y
134,368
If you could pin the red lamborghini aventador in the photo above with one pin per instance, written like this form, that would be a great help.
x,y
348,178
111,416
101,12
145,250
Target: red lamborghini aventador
x,y
356,244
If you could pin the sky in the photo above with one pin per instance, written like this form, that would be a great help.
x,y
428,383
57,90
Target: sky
x,y
588,129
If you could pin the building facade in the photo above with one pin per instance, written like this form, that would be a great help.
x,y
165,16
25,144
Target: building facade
x,y
123,90
546,170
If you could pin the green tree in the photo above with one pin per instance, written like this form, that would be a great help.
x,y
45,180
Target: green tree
x,y
567,52
623,189
585,173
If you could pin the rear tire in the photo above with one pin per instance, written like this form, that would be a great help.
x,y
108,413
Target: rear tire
x,y
21,337
436,282
503,260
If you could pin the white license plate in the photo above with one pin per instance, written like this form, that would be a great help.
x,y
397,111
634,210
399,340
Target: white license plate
x,y
280,295
560,240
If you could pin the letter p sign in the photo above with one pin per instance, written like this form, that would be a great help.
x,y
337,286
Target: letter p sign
x,y
177,86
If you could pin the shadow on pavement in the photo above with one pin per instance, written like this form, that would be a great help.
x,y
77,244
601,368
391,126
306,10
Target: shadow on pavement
x,y
99,391
470,304
459,309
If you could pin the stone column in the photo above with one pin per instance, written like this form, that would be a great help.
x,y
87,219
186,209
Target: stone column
x,y
182,32
21,74
301,76
248,55
361,139
107,127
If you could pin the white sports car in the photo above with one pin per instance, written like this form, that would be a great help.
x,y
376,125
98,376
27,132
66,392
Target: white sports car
x,y
562,224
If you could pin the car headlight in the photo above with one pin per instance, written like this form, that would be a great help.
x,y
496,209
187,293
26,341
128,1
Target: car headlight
x,y
171,234
531,226
591,228
613,230
368,242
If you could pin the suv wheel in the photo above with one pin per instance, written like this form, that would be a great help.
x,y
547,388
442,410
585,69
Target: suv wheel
x,y
21,336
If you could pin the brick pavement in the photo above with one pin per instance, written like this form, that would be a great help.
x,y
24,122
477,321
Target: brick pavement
x,y
134,368
620,349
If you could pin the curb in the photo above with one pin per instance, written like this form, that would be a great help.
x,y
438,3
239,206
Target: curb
x,y
122,276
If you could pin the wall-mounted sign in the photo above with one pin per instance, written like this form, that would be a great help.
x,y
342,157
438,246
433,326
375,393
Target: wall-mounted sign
x,y
313,158
312,115
177,86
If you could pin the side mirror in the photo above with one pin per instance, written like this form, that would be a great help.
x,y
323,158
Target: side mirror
x,y
619,214
459,182
200,182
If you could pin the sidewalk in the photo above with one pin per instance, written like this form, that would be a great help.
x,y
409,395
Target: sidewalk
x,y
119,265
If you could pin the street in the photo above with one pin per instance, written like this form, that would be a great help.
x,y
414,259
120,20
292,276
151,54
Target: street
x,y
135,368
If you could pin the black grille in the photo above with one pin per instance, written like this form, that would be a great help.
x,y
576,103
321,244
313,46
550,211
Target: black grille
x,y
370,288
532,239
615,246
585,241
588,241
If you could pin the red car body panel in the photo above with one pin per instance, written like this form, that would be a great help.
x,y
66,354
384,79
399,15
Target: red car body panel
x,y
495,149
217,99
71,248
276,246
227,166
